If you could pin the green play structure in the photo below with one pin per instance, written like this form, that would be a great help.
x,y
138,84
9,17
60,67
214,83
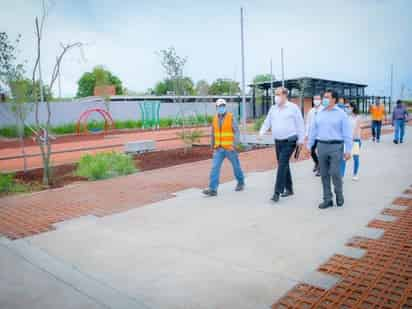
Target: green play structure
x,y
150,111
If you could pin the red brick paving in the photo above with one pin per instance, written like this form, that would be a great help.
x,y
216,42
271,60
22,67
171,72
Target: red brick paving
x,y
30,214
382,278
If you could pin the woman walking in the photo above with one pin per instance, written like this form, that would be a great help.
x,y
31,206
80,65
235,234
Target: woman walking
x,y
355,121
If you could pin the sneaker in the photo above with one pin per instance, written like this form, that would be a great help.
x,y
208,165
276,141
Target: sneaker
x,y
395,141
209,192
355,178
240,187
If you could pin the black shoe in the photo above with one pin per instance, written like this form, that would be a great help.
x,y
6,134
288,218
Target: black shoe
x,y
240,187
395,141
286,193
317,173
275,197
315,168
325,205
340,202
209,192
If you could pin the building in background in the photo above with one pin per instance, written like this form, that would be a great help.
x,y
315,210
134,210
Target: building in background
x,y
312,86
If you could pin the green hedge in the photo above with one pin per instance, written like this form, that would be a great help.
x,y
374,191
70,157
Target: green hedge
x,y
69,128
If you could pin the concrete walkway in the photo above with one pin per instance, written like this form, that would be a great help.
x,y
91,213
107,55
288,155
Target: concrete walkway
x,y
235,251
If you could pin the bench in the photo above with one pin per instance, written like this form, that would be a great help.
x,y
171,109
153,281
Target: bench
x,y
254,140
140,146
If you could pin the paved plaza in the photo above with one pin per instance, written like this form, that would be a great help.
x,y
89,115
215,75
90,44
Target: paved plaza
x,y
238,250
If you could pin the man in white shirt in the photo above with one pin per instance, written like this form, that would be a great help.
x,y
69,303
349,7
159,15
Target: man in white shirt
x,y
287,126
310,118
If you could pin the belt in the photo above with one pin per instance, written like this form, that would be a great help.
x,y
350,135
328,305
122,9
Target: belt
x,y
331,142
292,138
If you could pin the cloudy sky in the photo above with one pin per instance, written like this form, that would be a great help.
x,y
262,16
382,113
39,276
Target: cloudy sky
x,y
349,40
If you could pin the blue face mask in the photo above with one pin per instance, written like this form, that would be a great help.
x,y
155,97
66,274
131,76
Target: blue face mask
x,y
325,102
341,105
221,110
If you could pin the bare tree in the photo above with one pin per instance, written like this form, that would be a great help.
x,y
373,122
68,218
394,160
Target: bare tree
x,y
173,66
43,137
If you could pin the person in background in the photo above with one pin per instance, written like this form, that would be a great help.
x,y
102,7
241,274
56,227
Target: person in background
x,y
225,136
399,118
332,130
355,122
378,114
310,118
288,131
341,103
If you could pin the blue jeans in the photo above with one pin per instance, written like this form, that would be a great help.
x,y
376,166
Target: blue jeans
x,y
376,129
218,156
356,162
399,130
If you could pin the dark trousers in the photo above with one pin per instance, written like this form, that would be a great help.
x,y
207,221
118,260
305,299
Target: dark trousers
x,y
376,129
284,150
330,157
314,154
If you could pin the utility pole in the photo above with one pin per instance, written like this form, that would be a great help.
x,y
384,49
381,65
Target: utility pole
x,y
59,83
271,82
391,82
242,48
283,67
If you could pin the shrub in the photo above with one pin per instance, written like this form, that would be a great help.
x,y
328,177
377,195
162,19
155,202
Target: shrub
x,y
190,137
64,129
165,122
11,131
258,123
105,165
8,184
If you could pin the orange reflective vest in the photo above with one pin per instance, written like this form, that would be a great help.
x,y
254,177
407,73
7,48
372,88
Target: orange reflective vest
x,y
224,135
378,112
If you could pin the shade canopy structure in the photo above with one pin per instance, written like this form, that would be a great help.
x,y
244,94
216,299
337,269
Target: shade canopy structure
x,y
314,86
302,90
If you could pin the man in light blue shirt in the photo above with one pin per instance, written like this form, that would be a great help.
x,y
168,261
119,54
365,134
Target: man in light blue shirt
x,y
288,130
333,134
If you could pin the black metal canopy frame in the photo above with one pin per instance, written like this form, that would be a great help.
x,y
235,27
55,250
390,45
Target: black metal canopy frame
x,y
354,92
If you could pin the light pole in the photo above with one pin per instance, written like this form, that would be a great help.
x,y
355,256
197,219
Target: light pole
x,y
242,48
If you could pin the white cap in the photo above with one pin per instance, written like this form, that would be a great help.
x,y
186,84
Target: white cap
x,y
220,102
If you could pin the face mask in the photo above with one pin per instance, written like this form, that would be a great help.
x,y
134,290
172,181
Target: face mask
x,y
221,110
325,102
278,99
348,111
341,105
317,102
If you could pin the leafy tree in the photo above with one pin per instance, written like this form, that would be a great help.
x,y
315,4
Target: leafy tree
x,y
260,78
167,85
9,70
224,87
98,77
202,88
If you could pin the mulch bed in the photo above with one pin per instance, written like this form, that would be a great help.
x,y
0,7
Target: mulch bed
x,y
64,174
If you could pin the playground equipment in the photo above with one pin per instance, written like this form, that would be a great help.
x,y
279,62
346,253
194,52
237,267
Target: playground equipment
x,y
83,126
150,111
